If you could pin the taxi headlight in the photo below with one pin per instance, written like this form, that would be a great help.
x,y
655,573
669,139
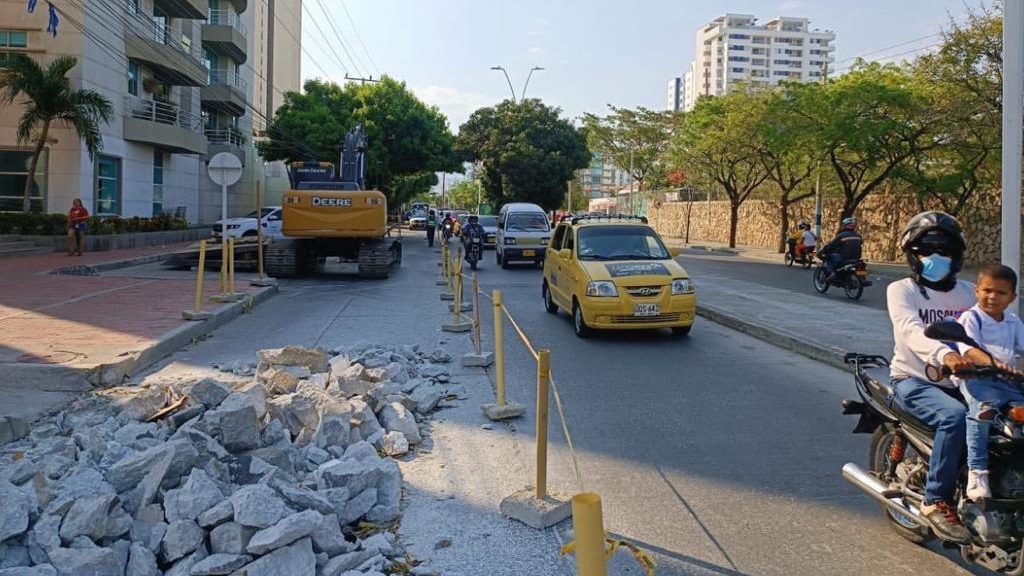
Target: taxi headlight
x,y
682,286
602,288
510,240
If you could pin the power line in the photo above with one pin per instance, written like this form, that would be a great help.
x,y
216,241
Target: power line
x,y
887,48
905,53
324,36
357,62
359,37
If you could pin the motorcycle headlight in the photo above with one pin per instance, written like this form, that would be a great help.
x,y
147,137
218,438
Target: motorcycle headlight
x,y
602,288
682,286
509,240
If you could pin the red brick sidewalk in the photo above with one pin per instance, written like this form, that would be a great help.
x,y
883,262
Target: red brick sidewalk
x,y
84,321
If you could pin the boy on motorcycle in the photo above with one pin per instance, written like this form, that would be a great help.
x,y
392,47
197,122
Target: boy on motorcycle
x,y
1001,334
472,228
845,247
934,245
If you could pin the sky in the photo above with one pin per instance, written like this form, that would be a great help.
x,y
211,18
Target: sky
x,y
595,53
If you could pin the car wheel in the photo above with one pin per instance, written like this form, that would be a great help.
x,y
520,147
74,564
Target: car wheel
x,y
549,304
579,325
681,331
249,234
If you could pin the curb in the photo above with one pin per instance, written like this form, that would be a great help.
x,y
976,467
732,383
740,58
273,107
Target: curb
x,y
833,356
97,269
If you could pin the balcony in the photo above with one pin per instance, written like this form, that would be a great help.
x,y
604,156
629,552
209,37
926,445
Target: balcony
x,y
225,140
173,58
162,125
187,9
226,91
224,32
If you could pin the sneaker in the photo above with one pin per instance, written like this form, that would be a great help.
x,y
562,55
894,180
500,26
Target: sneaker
x,y
945,522
977,485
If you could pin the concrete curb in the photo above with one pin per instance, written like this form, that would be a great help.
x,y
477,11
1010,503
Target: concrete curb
x,y
97,269
833,356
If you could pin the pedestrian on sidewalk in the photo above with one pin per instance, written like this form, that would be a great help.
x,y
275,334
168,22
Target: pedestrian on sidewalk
x,y
78,218
431,228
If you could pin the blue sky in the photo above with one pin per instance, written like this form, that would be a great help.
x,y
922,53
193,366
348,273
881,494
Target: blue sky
x,y
595,52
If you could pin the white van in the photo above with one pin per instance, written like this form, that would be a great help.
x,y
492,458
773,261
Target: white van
x,y
523,234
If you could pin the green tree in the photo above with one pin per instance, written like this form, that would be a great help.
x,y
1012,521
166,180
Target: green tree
x,y
464,194
580,201
407,139
635,140
528,152
716,140
48,99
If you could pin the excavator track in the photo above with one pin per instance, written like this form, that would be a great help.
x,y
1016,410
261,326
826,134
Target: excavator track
x,y
375,258
281,259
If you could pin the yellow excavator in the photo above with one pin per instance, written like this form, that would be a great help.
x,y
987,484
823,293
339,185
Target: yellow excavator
x,y
327,216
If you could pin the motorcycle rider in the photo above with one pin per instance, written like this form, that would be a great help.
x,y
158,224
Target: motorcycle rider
x,y
447,226
471,229
933,244
807,240
431,227
845,247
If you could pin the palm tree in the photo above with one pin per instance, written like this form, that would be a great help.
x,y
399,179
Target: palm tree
x,y
49,98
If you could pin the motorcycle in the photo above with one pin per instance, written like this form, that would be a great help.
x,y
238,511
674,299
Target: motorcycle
x,y
446,231
901,447
474,250
852,277
805,259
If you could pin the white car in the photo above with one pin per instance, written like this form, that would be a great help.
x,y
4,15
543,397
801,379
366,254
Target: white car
x,y
245,226
418,221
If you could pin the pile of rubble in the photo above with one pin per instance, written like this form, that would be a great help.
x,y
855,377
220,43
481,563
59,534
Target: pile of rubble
x,y
284,473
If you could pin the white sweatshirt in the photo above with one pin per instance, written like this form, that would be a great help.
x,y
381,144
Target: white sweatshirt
x,y
1002,339
910,312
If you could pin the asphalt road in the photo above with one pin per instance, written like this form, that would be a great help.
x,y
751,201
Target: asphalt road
x,y
718,454
776,275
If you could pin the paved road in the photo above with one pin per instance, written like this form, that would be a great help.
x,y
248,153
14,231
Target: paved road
x,y
776,275
719,454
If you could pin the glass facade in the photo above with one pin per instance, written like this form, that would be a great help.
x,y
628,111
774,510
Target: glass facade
x,y
11,39
13,172
108,185
158,182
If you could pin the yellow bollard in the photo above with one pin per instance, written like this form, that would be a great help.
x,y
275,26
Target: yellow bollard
x,y
499,348
476,314
588,527
231,266
259,231
457,308
222,279
199,277
543,381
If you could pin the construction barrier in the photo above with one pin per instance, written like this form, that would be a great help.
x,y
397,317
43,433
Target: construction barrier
x,y
200,270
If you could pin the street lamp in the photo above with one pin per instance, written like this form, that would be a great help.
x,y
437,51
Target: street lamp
x,y
507,79
528,76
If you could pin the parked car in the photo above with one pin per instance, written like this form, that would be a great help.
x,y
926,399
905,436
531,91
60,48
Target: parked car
x,y
616,273
245,226
418,221
523,234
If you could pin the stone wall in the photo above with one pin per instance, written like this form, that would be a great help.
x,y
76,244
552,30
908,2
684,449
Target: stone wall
x,y
881,219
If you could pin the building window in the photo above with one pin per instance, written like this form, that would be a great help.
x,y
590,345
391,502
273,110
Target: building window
x,y
738,59
736,47
108,185
16,39
740,36
158,182
738,70
133,78
13,172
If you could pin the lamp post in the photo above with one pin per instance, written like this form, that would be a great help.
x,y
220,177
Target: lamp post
x,y
507,79
522,94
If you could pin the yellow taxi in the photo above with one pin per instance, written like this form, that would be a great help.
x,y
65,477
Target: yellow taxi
x,y
616,273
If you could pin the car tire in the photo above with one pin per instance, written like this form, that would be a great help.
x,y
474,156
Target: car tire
x,y
249,234
579,324
681,331
549,304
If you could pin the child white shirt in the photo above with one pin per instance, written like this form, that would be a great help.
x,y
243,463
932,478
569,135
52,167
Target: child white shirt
x,y
809,240
1003,340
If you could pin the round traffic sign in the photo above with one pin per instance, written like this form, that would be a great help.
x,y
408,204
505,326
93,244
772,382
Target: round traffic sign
x,y
225,168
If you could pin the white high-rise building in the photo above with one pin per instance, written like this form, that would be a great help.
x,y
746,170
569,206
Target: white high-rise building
x,y
733,49
674,95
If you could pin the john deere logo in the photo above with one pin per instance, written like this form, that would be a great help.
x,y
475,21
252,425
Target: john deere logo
x,y
318,201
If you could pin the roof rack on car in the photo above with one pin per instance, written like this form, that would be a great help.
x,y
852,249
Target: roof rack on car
x,y
598,217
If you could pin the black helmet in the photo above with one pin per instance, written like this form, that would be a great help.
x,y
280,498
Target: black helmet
x,y
929,232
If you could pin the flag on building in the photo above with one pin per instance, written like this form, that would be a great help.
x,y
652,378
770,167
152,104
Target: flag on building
x,y
51,27
32,6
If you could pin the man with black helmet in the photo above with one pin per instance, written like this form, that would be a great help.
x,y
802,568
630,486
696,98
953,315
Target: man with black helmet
x,y
845,247
933,244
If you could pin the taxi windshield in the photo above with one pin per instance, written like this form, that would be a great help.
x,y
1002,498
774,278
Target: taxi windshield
x,y
620,243
528,221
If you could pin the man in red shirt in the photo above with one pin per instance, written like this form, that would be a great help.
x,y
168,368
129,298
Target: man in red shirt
x,y
77,219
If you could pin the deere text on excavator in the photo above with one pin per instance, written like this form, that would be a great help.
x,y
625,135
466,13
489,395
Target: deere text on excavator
x,y
326,216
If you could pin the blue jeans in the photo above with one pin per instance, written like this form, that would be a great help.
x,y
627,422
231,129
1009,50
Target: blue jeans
x,y
833,261
947,416
995,393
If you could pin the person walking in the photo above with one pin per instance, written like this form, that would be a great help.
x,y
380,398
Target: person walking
x,y
78,217
431,227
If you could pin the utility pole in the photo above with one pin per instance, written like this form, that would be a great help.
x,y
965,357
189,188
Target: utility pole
x,y
817,181
632,179
361,80
1013,123
444,203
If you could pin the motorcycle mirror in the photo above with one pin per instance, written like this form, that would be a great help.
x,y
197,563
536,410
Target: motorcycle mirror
x,y
949,331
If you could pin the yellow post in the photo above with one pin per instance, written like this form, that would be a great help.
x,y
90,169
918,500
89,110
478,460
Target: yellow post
x,y
231,266
223,279
259,230
199,277
499,348
543,380
588,526
457,308
476,314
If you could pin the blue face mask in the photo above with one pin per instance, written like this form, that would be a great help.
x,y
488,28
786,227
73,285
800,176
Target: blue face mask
x,y
935,267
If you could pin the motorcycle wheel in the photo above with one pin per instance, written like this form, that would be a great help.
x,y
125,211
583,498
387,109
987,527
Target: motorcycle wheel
x,y
820,284
808,262
878,455
789,258
852,287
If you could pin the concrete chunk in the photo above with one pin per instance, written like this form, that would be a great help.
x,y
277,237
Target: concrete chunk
x,y
397,418
216,564
15,507
288,530
230,538
258,506
182,537
295,560
313,358
197,495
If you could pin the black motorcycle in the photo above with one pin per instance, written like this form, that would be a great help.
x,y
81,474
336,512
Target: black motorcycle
x,y
805,259
474,249
901,447
446,231
852,277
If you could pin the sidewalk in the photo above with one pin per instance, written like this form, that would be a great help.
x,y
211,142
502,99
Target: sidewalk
x,y
62,334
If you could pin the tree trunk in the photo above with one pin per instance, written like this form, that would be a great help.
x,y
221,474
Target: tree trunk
x,y
784,226
734,217
26,205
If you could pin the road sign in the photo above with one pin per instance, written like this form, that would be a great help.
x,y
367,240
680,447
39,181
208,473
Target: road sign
x,y
225,168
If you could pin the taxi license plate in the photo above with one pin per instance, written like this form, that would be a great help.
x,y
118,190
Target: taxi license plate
x,y
646,310
529,253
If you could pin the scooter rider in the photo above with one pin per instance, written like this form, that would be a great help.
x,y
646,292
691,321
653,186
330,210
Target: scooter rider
x,y
934,245
845,247
472,228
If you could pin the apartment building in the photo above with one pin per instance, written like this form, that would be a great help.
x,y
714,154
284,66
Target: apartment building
x,y
180,75
602,178
674,95
734,49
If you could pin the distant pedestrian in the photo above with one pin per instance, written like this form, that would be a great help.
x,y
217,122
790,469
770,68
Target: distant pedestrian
x,y
431,227
78,218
